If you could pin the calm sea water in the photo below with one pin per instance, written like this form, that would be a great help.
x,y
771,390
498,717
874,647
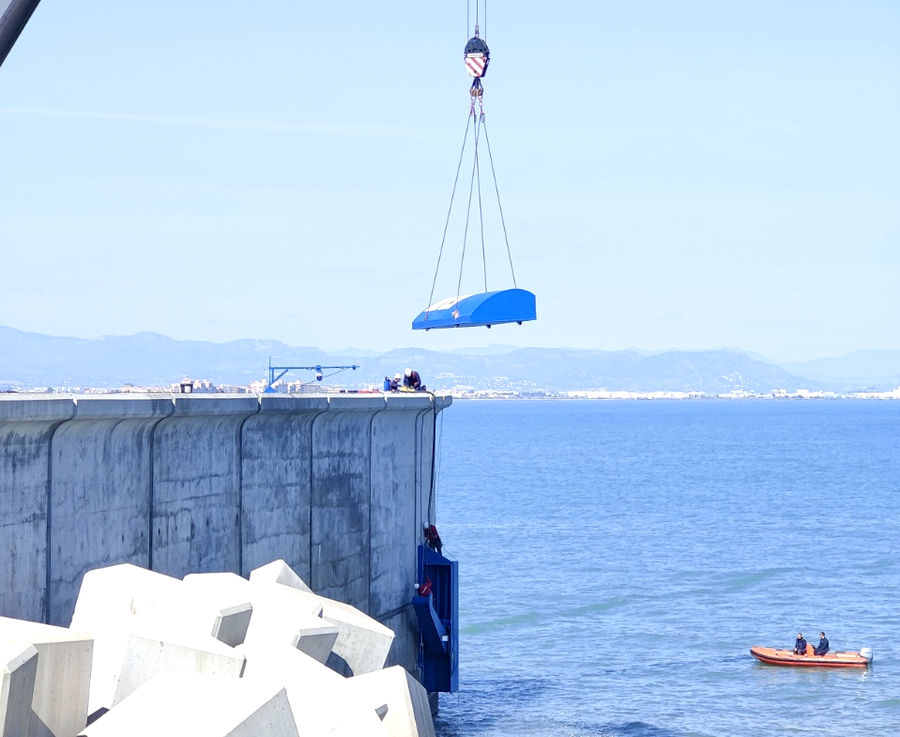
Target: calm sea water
x,y
619,559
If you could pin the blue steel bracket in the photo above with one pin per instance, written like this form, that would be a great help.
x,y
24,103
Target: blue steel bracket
x,y
438,616
435,639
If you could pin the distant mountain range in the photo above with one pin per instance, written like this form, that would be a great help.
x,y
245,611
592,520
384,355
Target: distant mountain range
x,y
29,360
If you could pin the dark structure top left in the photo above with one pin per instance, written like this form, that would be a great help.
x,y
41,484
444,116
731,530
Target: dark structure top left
x,y
14,14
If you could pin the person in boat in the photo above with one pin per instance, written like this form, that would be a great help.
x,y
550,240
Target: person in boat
x,y
800,645
822,647
412,381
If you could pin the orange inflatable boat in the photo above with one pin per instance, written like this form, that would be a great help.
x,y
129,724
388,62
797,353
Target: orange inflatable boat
x,y
773,656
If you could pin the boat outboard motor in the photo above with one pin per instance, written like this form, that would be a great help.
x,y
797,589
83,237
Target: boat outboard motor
x,y
866,652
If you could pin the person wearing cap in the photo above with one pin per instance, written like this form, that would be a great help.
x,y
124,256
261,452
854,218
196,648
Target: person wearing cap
x,y
822,647
395,383
800,645
412,381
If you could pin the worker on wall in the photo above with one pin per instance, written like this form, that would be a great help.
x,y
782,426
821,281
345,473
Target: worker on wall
x,y
412,382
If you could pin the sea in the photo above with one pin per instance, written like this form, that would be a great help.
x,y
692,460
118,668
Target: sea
x,y
618,560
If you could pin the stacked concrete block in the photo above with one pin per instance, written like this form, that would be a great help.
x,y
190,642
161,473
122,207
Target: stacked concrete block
x,y
213,655
319,697
281,615
407,712
18,668
62,678
278,571
127,659
122,594
362,642
145,623
199,706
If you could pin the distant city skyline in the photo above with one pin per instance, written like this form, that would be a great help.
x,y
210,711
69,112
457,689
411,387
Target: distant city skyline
x,y
688,176
32,360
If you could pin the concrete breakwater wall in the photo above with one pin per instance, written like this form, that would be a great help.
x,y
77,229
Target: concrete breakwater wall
x,y
338,486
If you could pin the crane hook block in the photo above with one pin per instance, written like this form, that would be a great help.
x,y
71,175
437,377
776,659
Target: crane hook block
x,y
477,57
478,310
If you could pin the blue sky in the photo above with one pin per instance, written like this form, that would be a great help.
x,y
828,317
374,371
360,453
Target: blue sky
x,y
673,174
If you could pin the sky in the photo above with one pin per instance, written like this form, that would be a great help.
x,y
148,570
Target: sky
x,y
691,175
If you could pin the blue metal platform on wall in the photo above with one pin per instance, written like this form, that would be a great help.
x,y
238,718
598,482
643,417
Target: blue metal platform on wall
x,y
438,615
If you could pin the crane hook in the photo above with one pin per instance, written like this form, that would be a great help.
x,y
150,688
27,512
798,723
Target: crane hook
x,y
477,56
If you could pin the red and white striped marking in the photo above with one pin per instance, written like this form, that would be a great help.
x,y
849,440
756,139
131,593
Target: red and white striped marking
x,y
475,64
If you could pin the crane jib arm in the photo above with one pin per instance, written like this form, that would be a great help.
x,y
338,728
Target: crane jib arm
x,y
14,14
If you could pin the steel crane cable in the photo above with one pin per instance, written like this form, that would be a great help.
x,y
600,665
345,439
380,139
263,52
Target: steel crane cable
x,y
475,179
480,129
450,208
476,16
481,215
475,170
487,140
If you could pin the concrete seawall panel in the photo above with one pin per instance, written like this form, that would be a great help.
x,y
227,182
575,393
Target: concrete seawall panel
x,y
197,486
276,472
26,432
340,531
101,491
399,511
339,486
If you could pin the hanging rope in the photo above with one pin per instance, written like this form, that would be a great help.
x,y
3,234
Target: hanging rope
x,y
499,206
480,209
480,128
477,57
469,206
469,18
450,208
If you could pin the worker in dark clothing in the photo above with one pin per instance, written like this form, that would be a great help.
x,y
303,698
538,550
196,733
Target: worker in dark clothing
x,y
412,381
433,539
800,645
822,647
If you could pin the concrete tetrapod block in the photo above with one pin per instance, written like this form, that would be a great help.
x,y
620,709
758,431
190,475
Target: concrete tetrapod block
x,y
199,706
63,676
320,699
112,593
279,572
18,668
362,642
408,713
281,615
126,658
122,592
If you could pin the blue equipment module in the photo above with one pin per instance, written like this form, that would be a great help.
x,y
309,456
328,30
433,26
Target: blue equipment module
x,y
437,610
476,310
